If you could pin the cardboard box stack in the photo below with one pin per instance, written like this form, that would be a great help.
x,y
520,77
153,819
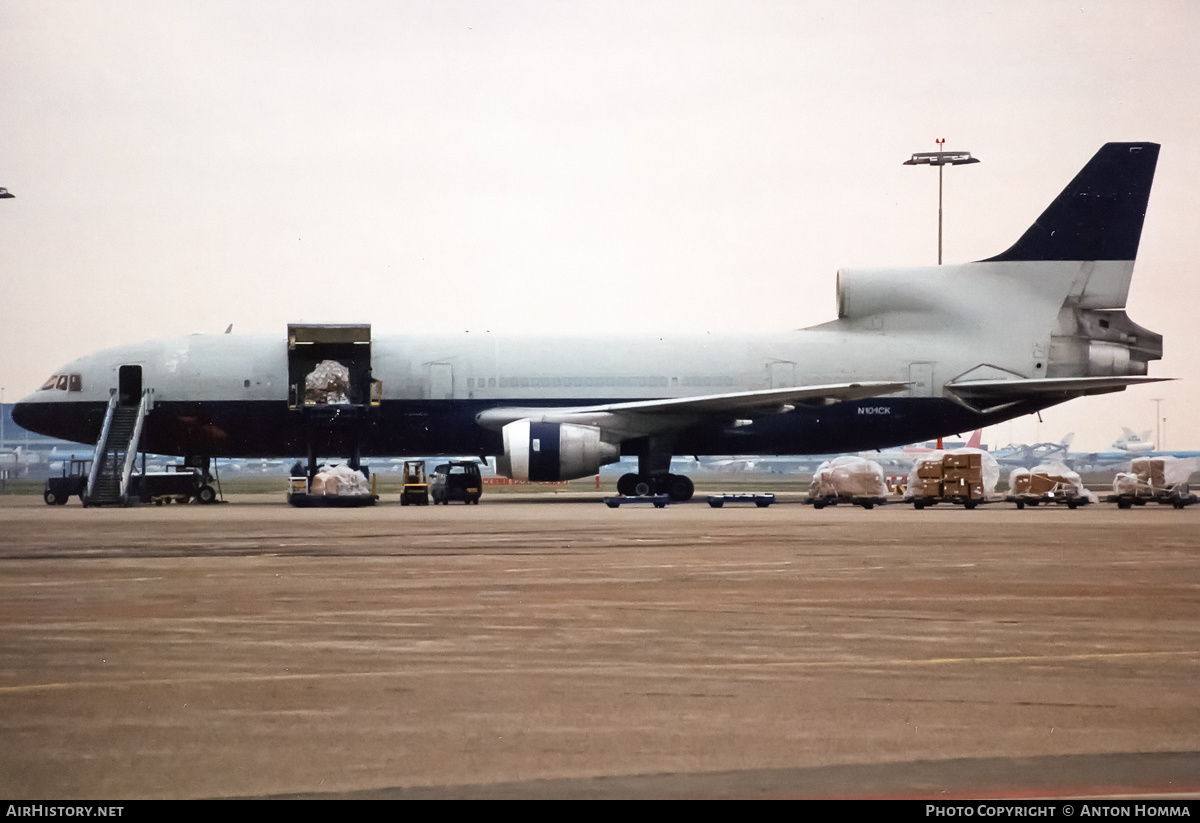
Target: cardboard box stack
x,y
950,475
929,479
962,475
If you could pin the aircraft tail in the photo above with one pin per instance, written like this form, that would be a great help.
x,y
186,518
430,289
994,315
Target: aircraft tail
x,y
1056,298
1099,215
1086,241
976,439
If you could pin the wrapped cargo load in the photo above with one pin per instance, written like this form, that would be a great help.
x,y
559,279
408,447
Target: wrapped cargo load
x,y
1018,481
1150,471
1161,480
1125,483
339,480
1052,477
1161,473
945,473
848,476
327,384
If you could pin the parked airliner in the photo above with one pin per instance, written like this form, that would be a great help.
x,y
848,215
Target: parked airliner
x,y
914,354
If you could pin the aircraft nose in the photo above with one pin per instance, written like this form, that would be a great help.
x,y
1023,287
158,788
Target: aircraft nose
x,y
24,415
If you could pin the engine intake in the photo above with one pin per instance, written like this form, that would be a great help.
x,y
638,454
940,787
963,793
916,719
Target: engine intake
x,y
548,452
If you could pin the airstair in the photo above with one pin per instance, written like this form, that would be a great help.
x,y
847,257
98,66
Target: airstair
x,y
116,452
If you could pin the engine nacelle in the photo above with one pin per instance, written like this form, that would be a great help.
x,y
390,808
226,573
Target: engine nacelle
x,y
546,452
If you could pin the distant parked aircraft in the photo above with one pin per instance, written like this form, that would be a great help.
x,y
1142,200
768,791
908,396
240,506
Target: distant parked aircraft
x,y
1134,443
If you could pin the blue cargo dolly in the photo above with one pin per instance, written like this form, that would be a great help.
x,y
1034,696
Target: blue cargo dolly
x,y
660,501
760,500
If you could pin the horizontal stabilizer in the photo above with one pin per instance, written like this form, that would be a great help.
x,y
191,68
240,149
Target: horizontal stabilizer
x,y
1012,390
766,401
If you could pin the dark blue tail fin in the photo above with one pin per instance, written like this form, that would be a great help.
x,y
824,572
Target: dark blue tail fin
x,y
1099,214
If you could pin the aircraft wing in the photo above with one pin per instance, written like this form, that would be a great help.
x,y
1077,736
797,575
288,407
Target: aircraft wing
x,y
1011,390
639,417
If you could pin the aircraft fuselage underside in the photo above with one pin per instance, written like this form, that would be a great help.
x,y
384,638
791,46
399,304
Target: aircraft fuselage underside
x,y
264,429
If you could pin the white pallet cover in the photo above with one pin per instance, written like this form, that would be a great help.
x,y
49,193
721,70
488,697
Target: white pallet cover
x,y
328,383
1070,478
849,477
339,480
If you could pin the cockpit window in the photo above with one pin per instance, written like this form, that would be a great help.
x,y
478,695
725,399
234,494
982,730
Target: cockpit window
x,y
63,382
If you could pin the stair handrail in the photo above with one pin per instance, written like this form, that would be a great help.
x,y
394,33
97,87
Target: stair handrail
x,y
98,454
131,449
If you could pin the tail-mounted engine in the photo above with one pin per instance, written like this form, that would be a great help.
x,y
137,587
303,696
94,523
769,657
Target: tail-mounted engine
x,y
547,452
1096,343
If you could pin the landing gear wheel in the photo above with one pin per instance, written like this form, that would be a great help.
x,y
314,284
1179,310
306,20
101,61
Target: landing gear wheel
x,y
206,494
626,484
680,488
642,488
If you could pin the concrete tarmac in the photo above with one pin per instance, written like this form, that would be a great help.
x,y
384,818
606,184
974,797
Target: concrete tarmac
x,y
547,646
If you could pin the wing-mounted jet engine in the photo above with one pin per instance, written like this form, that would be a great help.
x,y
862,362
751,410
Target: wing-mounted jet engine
x,y
571,442
548,452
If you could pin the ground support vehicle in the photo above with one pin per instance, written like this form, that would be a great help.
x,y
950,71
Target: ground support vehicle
x,y
821,501
415,491
1178,496
760,500
659,501
72,482
181,485
456,480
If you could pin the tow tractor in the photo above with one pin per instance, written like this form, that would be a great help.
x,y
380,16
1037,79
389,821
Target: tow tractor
x,y
415,491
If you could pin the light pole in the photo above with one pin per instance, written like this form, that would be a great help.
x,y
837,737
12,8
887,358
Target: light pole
x,y
1158,419
939,159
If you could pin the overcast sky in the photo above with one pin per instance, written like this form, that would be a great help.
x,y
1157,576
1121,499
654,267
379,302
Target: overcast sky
x,y
659,165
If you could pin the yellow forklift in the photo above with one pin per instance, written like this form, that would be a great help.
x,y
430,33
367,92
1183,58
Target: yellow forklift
x,y
416,485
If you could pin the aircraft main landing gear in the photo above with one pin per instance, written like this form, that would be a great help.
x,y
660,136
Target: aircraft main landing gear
x,y
676,486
